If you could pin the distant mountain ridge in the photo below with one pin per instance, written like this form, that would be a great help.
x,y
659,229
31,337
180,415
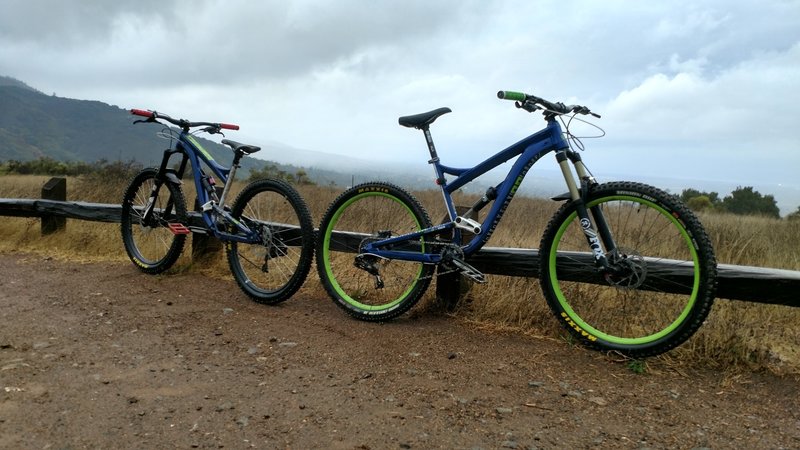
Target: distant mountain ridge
x,y
8,81
35,125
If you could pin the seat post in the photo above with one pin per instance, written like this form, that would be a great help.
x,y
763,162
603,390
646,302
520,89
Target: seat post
x,y
431,148
441,181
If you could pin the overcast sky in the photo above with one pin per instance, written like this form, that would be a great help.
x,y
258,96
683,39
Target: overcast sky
x,y
703,90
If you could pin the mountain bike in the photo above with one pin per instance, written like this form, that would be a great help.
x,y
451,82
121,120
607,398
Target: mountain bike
x,y
268,231
623,266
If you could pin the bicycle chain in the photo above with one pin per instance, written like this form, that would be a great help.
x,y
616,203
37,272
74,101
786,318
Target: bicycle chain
x,y
447,246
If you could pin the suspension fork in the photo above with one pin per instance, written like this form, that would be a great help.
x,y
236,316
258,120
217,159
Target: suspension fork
x,y
162,176
578,194
587,183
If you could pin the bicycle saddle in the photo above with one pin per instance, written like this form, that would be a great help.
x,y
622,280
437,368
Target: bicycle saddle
x,y
423,119
236,146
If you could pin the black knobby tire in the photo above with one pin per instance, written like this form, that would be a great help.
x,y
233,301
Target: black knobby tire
x,y
152,246
365,213
668,285
272,270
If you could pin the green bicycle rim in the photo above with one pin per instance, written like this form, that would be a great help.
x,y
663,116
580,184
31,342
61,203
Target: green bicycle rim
x,y
326,257
616,339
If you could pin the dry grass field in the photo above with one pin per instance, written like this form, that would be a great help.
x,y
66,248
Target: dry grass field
x,y
736,336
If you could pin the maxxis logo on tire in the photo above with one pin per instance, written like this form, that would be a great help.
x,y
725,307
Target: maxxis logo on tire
x,y
584,334
373,189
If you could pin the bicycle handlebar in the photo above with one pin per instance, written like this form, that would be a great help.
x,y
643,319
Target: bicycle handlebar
x,y
511,95
153,115
530,102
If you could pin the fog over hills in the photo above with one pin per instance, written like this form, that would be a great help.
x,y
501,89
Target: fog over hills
x,y
35,125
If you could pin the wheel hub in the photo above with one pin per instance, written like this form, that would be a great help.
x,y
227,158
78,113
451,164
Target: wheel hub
x,y
628,269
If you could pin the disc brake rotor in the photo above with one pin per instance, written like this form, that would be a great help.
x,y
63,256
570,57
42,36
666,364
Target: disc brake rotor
x,y
629,269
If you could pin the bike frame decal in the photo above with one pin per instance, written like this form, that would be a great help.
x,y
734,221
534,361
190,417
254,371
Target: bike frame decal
x,y
576,322
591,235
199,148
326,256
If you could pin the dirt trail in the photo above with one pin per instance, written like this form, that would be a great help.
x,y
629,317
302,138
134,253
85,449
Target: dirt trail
x,y
101,356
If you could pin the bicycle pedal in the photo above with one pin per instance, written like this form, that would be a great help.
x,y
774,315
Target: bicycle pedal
x,y
178,228
469,271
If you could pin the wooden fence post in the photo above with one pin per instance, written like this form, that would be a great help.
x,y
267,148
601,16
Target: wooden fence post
x,y
452,286
55,189
205,245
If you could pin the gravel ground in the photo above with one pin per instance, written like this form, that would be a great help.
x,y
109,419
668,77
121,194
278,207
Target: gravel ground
x,y
99,355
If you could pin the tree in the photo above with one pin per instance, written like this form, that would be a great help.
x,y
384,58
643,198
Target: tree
x,y
795,215
747,201
301,177
700,201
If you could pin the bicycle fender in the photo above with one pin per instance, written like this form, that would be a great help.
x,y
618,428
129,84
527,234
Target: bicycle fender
x,y
563,197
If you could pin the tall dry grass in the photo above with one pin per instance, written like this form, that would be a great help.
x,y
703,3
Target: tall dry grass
x,y
736,334
750,334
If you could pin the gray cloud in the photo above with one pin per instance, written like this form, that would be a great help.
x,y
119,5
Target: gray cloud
x,y
215,41
66,24
693,75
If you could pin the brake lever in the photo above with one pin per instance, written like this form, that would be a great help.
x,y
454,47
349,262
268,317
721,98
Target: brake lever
x,y
213,130
584,110
151,119
528,106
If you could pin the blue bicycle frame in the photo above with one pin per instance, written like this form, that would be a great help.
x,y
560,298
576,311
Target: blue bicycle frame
x,y
528,150
212,209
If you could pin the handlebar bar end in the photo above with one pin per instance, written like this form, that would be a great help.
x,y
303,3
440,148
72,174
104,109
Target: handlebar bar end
x,y
229,126
141,112
511,95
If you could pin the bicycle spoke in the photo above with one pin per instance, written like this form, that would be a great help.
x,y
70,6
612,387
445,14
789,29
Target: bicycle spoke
x,y
658,286
271,269
364,285
153,249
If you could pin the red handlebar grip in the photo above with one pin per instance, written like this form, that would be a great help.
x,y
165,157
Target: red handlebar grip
x,y
229,126
141,112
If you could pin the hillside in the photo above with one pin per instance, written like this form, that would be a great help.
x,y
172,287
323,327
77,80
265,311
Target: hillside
x,y
35,125
13,82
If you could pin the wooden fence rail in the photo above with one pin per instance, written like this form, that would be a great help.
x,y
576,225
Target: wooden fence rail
x,y
747,283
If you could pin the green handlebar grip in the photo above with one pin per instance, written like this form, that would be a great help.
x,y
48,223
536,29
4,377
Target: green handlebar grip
x,y
511,95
